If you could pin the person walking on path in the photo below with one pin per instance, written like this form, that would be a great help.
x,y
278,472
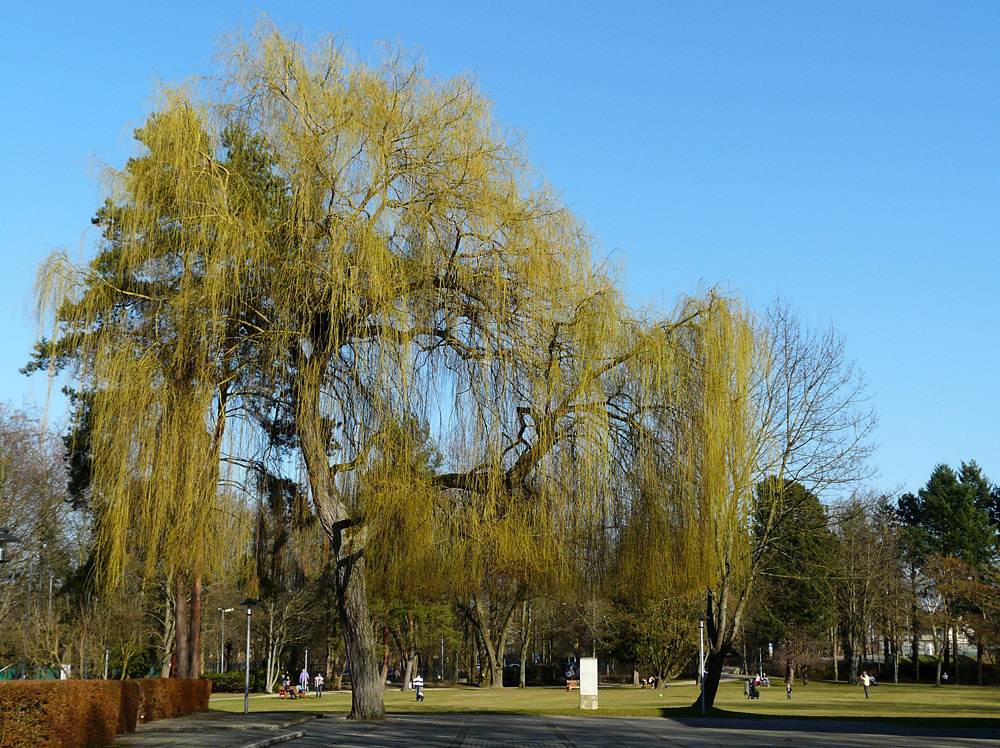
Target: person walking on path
x,y
418,686
304,681
866,681
788,690
318,683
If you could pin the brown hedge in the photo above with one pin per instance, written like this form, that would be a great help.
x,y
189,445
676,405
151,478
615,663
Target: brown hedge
x,y
59,714
131,704
171,697
89,713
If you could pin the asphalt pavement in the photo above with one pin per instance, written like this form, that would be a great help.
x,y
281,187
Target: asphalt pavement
x,y
221,730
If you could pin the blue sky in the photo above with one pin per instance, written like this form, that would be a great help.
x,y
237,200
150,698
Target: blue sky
x,y
844,155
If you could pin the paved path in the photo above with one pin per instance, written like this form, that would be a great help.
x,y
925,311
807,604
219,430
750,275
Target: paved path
x,y
509,731
218,730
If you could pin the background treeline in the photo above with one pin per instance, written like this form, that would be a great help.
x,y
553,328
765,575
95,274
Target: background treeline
x,y
843,589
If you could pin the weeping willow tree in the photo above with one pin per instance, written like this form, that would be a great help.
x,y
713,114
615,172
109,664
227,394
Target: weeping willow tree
x,y
723,454
743,398
312,254
323,250
137,328
694,456
412,267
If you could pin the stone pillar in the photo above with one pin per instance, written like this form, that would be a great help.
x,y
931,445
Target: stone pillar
x,y
588,683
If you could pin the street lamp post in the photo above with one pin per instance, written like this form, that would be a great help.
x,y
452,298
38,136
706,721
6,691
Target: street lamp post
x,y
306,668
222,647
248,604
701,660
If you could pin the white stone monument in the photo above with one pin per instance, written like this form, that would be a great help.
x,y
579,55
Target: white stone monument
x,y
588,683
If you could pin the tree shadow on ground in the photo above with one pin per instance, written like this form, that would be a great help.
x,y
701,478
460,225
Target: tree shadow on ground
x,y
924,726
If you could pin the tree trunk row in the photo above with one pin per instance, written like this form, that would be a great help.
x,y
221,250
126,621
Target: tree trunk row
x,y
186,659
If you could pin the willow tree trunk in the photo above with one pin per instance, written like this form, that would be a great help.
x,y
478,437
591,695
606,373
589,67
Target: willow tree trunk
x,y
169,634
473,651
181,627
346,539
194,633
411,653
384,673
713,674
525,639
494,645
408,662
492,662
723,617
352,607
366,692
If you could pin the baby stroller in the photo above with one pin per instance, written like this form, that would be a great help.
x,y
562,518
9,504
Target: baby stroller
x,y
753,692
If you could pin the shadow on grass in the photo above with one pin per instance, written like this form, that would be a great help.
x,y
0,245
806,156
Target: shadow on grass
x,y
929,726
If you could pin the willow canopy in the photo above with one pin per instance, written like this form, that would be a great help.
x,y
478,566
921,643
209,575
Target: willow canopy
x,y
315,264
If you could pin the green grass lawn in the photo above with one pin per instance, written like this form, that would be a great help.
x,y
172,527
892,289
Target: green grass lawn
x,y
914,704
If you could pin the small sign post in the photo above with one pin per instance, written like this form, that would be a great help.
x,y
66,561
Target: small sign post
x,y
588,683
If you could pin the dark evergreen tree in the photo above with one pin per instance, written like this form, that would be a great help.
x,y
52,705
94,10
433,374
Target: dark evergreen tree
x,y
794,608
943,519
949,519
984,496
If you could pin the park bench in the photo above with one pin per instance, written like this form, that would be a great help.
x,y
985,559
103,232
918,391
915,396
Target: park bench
x,y
571,684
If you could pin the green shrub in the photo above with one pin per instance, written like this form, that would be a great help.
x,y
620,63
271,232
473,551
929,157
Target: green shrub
x,y
233,682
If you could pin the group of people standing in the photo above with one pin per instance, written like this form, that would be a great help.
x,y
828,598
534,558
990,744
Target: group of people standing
x,y
303,687
751,686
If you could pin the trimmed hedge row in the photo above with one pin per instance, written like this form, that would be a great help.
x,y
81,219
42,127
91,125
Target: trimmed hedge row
x,y
170,697
89,713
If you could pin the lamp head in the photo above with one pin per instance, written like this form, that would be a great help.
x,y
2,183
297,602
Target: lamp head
x,y
249,604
